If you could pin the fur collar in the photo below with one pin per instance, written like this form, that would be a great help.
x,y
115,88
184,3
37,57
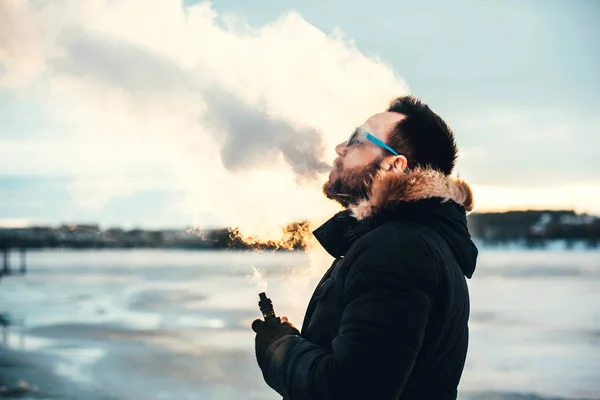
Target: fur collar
x,y
391,188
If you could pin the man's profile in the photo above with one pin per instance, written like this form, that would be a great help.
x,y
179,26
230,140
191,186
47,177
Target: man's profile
x,y
389,319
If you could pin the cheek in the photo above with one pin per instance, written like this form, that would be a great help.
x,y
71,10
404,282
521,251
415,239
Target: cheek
x,y
357,159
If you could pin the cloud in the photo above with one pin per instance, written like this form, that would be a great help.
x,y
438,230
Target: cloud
x,y
242,120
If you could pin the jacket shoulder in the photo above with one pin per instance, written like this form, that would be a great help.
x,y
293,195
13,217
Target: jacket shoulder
x,y
399,240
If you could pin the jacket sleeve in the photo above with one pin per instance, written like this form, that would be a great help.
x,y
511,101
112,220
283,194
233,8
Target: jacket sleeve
x,y
388,294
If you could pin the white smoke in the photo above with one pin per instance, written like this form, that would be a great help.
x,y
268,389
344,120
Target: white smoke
x,y
241,120
258,279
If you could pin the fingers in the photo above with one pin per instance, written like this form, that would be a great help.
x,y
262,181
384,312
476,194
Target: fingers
x,y
290,325
285,320
259,324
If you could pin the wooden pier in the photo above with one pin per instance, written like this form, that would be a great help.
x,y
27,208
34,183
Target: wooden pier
x,y
6,267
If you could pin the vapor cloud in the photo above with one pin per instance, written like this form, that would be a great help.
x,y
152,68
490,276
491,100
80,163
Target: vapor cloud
x,y
148,94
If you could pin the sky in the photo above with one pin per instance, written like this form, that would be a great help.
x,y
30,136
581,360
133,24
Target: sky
x,y
162,113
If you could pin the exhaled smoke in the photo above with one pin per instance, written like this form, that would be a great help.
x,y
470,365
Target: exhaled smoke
x,y
258,279
250,136
295,236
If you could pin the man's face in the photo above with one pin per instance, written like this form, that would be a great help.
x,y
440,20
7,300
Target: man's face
x,y
356,166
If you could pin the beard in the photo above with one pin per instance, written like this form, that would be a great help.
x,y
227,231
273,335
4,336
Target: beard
x,y
350,187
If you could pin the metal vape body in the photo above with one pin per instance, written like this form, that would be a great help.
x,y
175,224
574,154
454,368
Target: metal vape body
x,y
266,308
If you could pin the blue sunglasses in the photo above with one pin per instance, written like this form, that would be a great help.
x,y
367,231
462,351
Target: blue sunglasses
x,y
358,132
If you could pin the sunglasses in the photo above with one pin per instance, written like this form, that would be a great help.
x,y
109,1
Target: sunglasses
x,y
360,132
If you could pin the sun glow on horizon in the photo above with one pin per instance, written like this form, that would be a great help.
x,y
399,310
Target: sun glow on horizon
x,y
579,197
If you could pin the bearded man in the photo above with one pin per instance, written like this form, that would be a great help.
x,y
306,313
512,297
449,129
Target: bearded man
x,y
389,319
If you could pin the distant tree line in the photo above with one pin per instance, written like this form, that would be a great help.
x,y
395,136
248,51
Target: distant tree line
x,y
294,237
535,228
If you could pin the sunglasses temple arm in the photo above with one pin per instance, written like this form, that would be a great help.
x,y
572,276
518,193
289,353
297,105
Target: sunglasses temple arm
x,y
381,144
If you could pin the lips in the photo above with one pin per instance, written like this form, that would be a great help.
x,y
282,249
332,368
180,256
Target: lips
x,y
337,165
336,169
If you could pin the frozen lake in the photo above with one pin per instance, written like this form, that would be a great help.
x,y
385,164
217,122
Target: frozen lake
x,y
158,324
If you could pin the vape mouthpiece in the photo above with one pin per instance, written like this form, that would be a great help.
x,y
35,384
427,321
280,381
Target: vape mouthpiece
x,y
266,307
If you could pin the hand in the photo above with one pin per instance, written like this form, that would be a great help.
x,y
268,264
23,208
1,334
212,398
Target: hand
x,y
268,332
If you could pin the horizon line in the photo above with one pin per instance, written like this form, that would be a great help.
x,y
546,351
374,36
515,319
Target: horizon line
x,y
22,223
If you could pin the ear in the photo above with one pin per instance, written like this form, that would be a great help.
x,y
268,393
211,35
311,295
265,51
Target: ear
x,y
396,163
400,163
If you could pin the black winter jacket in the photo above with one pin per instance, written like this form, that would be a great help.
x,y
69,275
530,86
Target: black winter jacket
x,y
389,319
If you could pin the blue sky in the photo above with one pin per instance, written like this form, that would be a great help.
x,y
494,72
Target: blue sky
x,y
516,80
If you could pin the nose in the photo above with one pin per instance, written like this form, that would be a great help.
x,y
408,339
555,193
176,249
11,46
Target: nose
x,y
339,148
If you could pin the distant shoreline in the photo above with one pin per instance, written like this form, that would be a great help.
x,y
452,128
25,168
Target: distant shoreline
x,y
530,229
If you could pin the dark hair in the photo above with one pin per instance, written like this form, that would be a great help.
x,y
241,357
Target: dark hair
x,y
422,136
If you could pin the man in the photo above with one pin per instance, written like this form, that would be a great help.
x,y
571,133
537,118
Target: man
x,y
389,320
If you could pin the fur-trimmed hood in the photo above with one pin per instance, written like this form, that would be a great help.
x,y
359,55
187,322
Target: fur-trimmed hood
x,y
424,198
390,188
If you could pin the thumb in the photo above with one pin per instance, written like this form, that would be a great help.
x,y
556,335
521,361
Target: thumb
x,y
257,325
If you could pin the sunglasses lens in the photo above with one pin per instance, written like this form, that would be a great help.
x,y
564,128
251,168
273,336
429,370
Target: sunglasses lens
x,y
352,138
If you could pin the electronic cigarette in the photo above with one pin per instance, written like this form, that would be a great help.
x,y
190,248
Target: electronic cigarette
x,y
266,308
